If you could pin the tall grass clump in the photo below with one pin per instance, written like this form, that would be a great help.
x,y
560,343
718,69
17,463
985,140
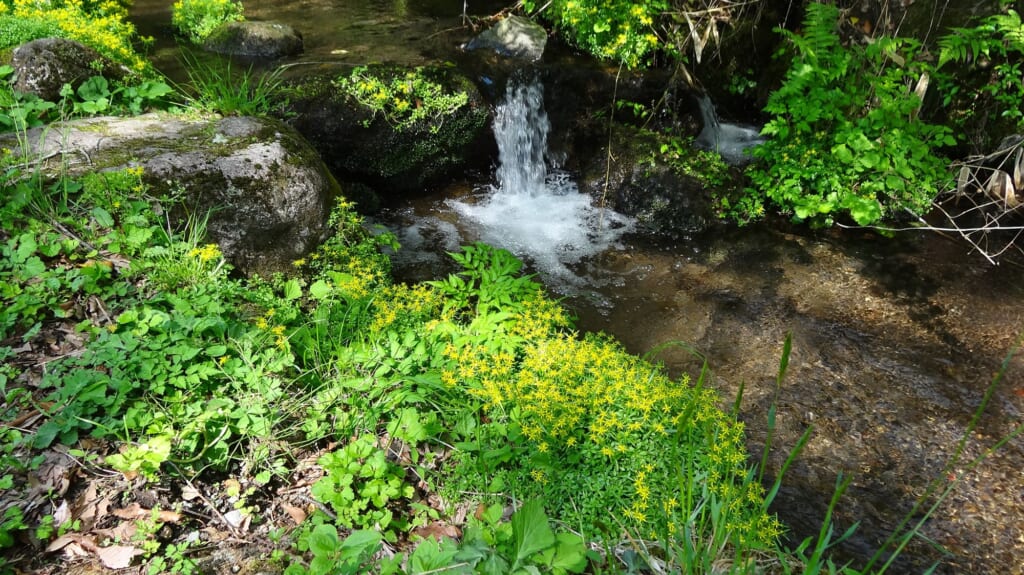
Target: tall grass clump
x,y
217,87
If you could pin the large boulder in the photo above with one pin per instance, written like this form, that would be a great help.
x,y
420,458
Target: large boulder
x,y
43,66
384,152
668,194
254,40
267,193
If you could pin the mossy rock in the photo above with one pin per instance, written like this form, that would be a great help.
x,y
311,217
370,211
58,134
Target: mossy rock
x,y
671,195
361,144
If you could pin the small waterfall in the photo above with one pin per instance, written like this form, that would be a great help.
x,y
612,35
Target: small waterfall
x,y
533,211
521,129
731,141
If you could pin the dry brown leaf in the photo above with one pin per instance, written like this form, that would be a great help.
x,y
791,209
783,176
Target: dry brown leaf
x,y
216,535
123,531
53,475
63,541
136,511
438,530
62,514
117,556
297,514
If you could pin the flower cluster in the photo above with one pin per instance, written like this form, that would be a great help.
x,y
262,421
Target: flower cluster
x,y
622,31
404,99
101,25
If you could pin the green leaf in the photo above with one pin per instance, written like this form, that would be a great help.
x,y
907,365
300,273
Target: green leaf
x,y
530,531
570,553
102,217
292,290
320,289
358,543
323,540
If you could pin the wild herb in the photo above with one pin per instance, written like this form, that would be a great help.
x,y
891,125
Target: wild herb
x,y
845,137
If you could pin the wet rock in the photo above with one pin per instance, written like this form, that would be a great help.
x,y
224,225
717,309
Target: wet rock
x,y
664,200
265,189
515,37
254,40
362,146
43,66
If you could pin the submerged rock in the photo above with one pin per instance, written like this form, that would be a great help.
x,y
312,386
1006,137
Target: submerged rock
x,y
254,40
267,193
515,37
43,66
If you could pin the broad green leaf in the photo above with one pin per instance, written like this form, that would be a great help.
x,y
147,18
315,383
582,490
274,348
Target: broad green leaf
x,y
320,289
102,217
323,540
292,290
530,531
358,543
570,553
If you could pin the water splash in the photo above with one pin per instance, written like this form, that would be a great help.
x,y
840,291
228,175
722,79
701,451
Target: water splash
x,y
731,141
532,211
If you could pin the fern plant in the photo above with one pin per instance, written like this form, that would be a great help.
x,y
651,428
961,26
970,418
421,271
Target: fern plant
x,y
844,136
989,90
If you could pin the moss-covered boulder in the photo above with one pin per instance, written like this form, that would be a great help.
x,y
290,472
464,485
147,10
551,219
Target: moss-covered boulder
x,y
397,130
671,191
43,66
266,191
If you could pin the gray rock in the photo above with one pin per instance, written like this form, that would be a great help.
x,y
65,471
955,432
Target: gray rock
x,y
266,190
515,36
254,40
43,66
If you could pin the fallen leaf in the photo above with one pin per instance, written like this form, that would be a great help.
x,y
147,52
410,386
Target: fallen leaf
x,y
237,519
62,514
297,514
123,531
438,530
215,535
117,556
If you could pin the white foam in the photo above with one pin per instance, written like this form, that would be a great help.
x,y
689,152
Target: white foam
x,y
535,214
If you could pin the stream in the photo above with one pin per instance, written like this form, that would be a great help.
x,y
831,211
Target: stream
x,y
895,340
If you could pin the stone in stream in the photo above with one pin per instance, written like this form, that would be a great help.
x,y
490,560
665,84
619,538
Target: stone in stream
x,y
515,37
254,40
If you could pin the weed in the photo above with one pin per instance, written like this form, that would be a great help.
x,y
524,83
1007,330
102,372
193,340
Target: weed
x,y
216,87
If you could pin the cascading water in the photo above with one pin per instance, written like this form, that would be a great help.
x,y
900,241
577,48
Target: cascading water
x,y
531,211
731,141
